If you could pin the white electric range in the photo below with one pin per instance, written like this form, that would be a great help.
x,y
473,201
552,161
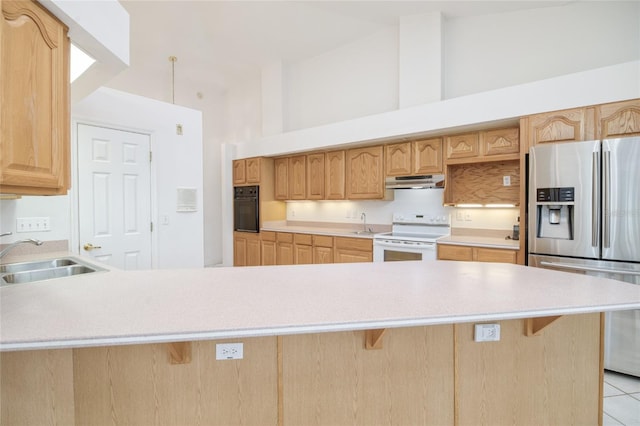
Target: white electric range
x,y
413,236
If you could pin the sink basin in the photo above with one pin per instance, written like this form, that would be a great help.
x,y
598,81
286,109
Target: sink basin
x,y
40,270
32,266
363,232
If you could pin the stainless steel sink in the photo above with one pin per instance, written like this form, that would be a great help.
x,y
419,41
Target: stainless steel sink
x,y
363,232
40,270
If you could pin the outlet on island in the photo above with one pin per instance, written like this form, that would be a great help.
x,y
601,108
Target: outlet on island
x,y
229,351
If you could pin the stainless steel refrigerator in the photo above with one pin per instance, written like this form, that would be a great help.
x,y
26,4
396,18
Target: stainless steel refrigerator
x,y
584,217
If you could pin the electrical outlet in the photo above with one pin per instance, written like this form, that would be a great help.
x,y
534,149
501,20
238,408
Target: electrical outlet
x,y
179,129
229,351
487,333
506,180
467,217
459,216
33,224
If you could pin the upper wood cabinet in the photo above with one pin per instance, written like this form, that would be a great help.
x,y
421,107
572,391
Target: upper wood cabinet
x,y
619,119
315,176
365,173
486,145
34,101
298,177
334,176
281,166
413,158
570,125
247,171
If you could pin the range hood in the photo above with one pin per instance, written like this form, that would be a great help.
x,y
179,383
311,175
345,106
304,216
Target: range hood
x,y
415,182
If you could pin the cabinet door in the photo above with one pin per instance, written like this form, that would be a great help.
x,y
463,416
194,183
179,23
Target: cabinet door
x,y
239,251
315,176
427,156
335,175
281,166
569,125
253,170
297,177
352,250
268,252
495,255
462,146
450,252
365,177
618,119
34,101
253,250
284,248
322,255
303,254
398,159
500,142
239,172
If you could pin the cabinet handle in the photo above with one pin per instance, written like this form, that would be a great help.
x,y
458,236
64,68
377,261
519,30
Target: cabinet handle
x,y
89,247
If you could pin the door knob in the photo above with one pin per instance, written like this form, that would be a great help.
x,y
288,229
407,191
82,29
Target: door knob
x,y
89,247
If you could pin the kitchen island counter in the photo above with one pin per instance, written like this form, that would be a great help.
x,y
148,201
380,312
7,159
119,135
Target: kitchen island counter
x,y
127,307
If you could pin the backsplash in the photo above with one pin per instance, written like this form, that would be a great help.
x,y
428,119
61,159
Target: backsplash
x,y
427,201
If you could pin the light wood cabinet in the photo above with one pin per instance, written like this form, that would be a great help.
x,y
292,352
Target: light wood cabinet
x,y
315,176
365,173
353,250
284,248
34,101
334,177
268,248
421,157
239,172
427,156
486,145
570,125
247,171
281,171
477,254
302,249
298,177
619,119
246,249
322,249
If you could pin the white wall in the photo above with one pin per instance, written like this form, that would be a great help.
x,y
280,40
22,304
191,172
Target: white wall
x,y
177,162
356,79
56,208
492,51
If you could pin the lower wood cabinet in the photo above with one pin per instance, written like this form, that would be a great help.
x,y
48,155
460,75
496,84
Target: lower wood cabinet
x,y
322,249
353,250
284,248
268,247
303,249
477,254
246,249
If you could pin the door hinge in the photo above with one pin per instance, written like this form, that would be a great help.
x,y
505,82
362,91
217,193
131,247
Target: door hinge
x,y
151,226
150,156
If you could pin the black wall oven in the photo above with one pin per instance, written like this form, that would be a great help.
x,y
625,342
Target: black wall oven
x,y
246,210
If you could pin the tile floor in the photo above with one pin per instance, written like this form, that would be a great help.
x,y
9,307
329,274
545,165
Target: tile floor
x,y
621,400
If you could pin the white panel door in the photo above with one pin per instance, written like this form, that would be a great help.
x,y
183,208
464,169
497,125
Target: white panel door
x,y
114,190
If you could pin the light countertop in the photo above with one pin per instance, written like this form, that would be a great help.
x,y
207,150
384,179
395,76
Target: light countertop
x,y
127,307
330,229
480,241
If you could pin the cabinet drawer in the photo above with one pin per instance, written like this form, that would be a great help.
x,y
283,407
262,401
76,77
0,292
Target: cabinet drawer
x,y
322,241
284,237
463,146
495,255
303,239
362,244
268,236
447,252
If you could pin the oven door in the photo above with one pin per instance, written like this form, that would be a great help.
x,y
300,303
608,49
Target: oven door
x,y
397,250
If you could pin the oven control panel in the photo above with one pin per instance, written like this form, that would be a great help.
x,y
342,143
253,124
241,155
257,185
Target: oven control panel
x,y
421,219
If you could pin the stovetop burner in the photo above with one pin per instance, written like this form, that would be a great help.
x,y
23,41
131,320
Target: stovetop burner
x,y
417,227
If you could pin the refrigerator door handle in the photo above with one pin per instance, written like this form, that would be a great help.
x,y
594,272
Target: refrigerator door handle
x,y
594,199
588,268
606,199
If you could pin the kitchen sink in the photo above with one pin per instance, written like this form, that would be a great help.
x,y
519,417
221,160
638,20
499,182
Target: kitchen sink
x,y
40,270
364,232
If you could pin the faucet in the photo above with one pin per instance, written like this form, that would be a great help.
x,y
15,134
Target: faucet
x,y
363,217
13,245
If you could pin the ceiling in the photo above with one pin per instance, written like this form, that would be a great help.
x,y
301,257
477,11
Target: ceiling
x,y
218,42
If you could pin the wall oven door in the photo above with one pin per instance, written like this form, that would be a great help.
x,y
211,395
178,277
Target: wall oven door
x,y
388,250
246,211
